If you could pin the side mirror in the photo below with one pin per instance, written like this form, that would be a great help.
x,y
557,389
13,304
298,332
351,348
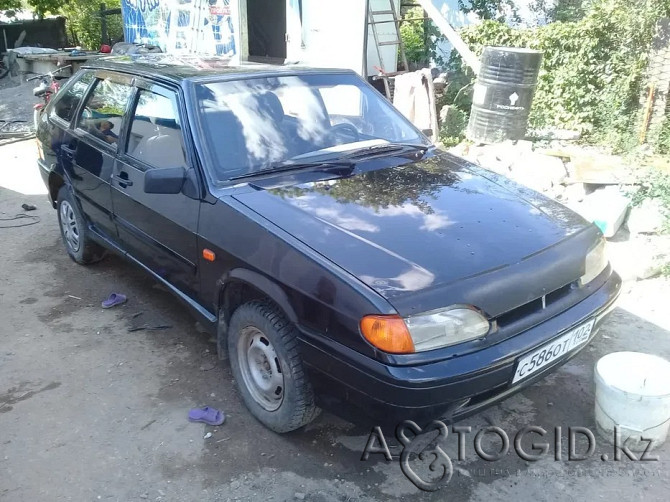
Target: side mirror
x,y
167,180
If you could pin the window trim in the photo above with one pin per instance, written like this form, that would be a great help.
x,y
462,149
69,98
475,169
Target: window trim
x,y
61,94
166,92
83,133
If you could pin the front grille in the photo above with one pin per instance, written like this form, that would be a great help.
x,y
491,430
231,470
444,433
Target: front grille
x,y
533,307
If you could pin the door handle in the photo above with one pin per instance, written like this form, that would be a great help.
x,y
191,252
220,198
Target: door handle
x,y
122,179
67,151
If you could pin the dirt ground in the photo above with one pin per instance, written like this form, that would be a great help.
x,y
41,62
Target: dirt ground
x,y
93,410
16,105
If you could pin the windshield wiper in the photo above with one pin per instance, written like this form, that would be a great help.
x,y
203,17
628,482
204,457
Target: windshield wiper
x,y
385,148
284,167
343,162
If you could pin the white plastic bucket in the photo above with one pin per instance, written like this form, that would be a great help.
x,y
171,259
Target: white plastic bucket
x,y
633,394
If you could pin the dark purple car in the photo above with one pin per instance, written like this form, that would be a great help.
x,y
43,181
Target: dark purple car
x,y
336,254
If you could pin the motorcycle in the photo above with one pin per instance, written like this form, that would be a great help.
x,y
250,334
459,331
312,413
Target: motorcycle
x,y
49,85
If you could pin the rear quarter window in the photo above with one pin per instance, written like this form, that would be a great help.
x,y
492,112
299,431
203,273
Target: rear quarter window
x,y
67,102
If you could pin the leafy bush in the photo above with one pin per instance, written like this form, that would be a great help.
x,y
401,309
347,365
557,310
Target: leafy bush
x,y
592,69
413,37
83,21
654,186
452,128
663,138
420,38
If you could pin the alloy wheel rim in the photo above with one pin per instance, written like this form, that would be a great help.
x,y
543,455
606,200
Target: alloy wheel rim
x,y
260,368
68,223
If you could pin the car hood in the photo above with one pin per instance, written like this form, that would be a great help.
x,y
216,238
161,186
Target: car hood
x,y
434,233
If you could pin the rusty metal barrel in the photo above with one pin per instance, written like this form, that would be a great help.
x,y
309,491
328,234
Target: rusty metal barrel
x,y
503,94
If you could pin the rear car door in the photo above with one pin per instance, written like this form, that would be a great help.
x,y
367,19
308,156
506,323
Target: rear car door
x,y
93,146
157,229
54,134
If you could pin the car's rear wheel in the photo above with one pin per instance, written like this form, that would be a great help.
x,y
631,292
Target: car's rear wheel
x,y
74,232
268,369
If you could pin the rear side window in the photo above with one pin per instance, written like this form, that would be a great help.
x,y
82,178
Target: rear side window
x,y
103,112
67,103
155,137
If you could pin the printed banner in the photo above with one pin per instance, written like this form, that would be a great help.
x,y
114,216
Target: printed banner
x,y
184,26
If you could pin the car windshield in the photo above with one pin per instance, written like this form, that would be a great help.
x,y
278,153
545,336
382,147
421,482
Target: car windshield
x,y
261,124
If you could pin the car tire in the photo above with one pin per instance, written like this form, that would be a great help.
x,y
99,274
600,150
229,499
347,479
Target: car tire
x,y
74,231
268,368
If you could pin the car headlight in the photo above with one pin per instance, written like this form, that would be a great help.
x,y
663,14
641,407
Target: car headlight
x,y
441,328
426,331
594,263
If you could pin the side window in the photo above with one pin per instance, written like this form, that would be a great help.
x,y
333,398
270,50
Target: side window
x,y
67,103
155,136
102,115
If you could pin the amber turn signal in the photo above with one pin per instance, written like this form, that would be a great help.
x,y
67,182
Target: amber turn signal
x,y
208,255
388,333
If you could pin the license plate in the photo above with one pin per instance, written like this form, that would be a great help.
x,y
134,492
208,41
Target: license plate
x,y
552,351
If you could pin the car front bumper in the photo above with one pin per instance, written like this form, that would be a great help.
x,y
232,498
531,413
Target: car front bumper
x,y
450,389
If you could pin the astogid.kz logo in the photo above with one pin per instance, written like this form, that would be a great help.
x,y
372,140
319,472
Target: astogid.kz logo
x,y
426,446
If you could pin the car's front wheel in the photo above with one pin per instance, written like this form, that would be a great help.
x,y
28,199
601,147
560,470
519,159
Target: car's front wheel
x,y
74,232
268,369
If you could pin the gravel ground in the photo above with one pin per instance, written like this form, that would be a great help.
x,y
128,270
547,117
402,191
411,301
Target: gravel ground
x,y
90,410
16,105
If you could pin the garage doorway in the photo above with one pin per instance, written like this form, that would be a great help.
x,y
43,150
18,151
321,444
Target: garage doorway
x,y
266,24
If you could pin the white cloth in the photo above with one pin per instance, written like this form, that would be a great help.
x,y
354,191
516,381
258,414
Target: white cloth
x,y
414,97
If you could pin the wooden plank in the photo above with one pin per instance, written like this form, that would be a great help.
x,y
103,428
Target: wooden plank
x,y
600,170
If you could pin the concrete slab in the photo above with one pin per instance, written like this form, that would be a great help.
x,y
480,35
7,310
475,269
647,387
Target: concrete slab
x,y
606,207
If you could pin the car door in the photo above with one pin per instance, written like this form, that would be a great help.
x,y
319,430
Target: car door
x,y
157,229
54,133
93,146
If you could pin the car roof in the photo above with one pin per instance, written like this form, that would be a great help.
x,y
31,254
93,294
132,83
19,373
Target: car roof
x,y
177,68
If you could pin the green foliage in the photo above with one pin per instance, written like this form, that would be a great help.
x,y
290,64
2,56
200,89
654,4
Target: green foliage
x,y
40,7
488,9
452,128
10,4
412,34
83,18
43,7
419,37
83,21
654,186
592,69
559,10
663,138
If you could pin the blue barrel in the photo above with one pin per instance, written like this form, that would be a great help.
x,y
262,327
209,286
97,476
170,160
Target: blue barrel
x,y
503,94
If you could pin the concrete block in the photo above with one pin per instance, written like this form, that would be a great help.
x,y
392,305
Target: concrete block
x,y
606,207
